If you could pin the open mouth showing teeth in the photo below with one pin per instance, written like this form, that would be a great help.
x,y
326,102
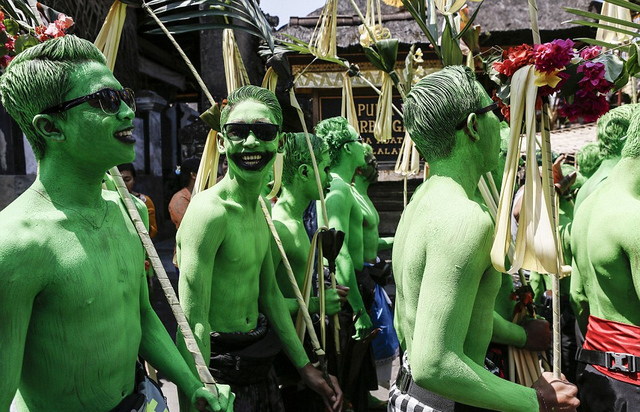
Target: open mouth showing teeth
x,y
125,136
253,161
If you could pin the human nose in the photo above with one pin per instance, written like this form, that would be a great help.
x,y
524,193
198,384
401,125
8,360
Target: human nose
x,y
251,140
125,112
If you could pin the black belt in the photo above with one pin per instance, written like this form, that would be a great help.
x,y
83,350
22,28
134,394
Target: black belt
x,y
621,362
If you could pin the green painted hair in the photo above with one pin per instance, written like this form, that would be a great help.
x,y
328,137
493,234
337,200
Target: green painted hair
x,y
436,105
335,131
632,144
39,78
589,159
612,128
296,154
255,93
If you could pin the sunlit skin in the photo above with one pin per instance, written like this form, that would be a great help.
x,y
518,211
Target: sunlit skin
x,y
73,294
446,285
287,218
345,214
371,240
224,253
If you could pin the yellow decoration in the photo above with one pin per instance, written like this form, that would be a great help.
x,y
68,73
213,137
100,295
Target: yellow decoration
x,y
323,41
611,36
536,247
384,112
234,70
108,39
547,79
348,110
393,3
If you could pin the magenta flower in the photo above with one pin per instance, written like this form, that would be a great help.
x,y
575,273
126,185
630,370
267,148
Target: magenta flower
x,y
593,77
587,105
553,55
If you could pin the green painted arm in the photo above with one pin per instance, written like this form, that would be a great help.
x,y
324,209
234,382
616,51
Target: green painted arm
x,y
385,243
507,333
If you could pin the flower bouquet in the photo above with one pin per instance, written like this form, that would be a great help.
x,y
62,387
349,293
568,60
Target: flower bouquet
x,y
580,80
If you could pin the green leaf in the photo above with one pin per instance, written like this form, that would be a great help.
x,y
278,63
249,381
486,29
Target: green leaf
x,y
613,66
570,87
626,4
3,37
595,42
372,55
11,26
451,53
388,52
604,26
602,17
24,41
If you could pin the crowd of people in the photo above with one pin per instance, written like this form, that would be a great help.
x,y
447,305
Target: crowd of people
x,y
75,318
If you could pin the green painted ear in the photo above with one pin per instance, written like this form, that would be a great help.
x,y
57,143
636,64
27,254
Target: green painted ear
x,y
471,128
46,127
282,139
303,170
220,143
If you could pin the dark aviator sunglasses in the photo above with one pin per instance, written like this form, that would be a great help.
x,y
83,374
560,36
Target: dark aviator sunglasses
x,y
109,100
266,132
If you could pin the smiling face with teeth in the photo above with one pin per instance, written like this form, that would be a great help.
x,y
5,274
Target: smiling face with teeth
x,y
91,134
250,156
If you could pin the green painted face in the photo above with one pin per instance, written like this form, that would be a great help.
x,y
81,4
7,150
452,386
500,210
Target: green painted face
x,y
252,155
356,147
91,135
324,163
489,131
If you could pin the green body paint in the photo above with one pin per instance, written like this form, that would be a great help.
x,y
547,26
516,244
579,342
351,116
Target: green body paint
x,y
344,213
223,244
299,188
446,286
604,241
73,296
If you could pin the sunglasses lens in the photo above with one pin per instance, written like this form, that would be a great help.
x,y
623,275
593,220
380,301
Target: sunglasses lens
x,y
237,131
129,98
265,132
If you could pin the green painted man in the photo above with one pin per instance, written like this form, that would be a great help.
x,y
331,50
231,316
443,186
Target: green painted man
x,y
227,284
446,286
74,306
299,188
605,283
612,131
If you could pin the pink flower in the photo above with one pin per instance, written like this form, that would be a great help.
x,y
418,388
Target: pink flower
x,y
10,44
5,60
590,53
63,22
53,31
554,55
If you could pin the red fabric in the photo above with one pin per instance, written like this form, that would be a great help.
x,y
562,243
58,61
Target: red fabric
x,y
609,336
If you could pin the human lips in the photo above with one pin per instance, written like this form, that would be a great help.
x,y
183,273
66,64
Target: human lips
x,y
253,160
125,136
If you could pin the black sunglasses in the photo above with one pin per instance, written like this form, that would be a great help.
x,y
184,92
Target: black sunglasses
x,y
262,131
491,107
109,100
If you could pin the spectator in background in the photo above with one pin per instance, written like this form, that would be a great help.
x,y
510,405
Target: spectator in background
x,y
128,173
180,201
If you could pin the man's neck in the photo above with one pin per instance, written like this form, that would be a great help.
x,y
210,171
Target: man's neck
x,y
459,170
243,192
361,184
70,185
293,202
345,170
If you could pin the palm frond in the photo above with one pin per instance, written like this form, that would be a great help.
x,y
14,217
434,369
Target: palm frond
x,y
182,16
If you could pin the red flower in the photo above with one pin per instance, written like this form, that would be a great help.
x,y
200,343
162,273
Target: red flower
x,y
587,105
515,58
553,55
63,22
1,15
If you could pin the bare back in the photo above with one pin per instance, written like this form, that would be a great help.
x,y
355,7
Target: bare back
x,y
604,239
